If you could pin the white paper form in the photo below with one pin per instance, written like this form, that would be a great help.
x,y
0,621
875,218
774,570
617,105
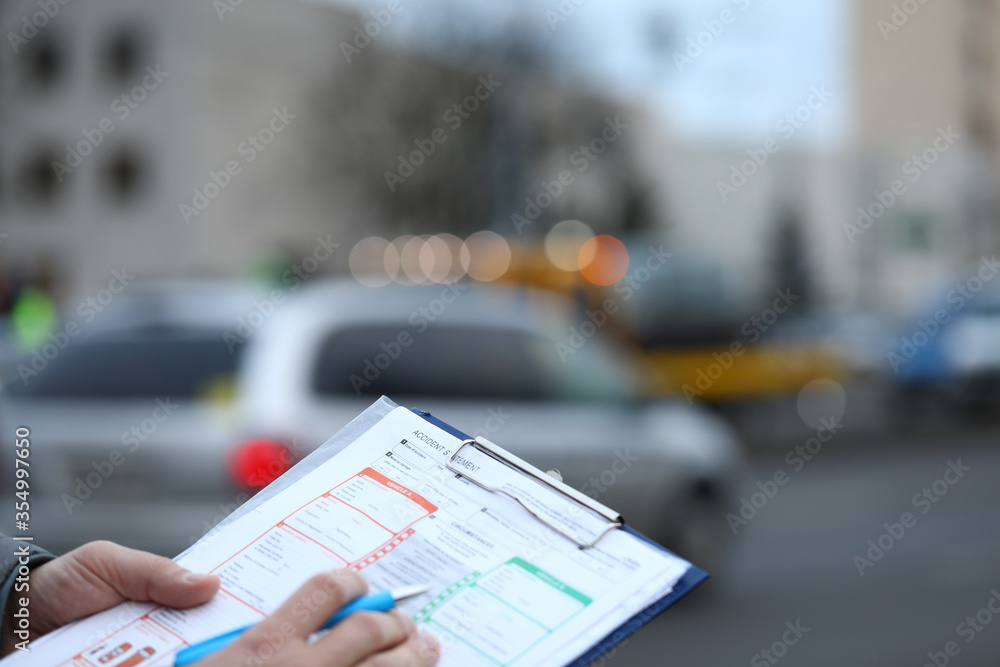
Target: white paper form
x,y
505,588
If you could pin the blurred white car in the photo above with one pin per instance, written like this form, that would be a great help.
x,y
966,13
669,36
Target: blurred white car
x,y
512,365
515,366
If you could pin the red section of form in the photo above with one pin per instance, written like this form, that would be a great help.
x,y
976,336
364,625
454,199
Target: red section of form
x,y
398,488
382,551
372,475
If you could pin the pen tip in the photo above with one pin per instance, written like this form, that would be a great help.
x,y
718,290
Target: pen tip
x,y
409,592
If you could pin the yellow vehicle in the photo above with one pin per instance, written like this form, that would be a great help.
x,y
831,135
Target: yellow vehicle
x,y
689,331
713,374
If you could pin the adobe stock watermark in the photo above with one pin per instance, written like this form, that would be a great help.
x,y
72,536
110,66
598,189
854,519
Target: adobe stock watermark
x,y
266,306
581,158
31,24
87,310
927,329
381,18
924,501
796,458
700,42
753,329
105,468
626,289
124,614
121,108
968,629
740,174
898,17
779,649
562,12
249,149
421,319
495,419
453,118
624,460
913,169
223,7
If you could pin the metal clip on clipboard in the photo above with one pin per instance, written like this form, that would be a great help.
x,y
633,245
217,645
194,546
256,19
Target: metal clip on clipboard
x,y
589,505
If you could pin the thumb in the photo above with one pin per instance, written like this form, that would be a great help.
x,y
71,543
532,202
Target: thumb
x,y
145,577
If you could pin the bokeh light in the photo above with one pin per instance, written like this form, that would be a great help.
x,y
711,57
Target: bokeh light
x,y
398,244
435,259
608,260
409,258
486,256
455,247
390,259
564,242
368,262
33,317
820,400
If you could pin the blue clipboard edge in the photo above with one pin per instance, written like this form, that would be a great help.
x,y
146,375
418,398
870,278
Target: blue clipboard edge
x,y
688,581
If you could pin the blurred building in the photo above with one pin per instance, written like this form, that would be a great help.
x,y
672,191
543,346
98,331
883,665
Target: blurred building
x,y
787,211
883,222
183,137
928,117
114,112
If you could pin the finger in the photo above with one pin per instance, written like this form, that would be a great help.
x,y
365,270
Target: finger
x,y
421,650
146,577
360,635
314,603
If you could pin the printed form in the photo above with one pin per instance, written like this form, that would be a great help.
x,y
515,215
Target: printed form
x,y
506,590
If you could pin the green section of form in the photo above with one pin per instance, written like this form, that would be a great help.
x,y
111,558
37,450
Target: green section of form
x,y
550,580
425,612
425,615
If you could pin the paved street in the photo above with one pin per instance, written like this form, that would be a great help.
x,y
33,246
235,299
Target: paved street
x,y
795,564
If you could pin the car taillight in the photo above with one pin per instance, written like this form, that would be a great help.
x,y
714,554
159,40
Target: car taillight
x,y
257,463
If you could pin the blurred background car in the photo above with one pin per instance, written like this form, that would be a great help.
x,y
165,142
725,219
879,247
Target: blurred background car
x,y
503,363
682,310
949,351
133,421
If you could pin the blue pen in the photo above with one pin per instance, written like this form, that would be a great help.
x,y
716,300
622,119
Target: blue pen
x,y
383,601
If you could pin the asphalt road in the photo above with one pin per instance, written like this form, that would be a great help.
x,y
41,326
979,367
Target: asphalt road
x,y
794,562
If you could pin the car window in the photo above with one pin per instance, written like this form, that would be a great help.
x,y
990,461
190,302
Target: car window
x,y
442,361
176,364
588,372
451,361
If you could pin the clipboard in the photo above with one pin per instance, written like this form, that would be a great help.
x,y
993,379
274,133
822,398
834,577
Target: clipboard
x,y
665,579
610,518
688,581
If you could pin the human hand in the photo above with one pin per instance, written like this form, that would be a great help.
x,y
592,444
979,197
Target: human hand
x,y
100,575
363,639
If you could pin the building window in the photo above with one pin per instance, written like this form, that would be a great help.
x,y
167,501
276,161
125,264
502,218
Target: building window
x,y
43,63
39,181
123,54
915,231
123,174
